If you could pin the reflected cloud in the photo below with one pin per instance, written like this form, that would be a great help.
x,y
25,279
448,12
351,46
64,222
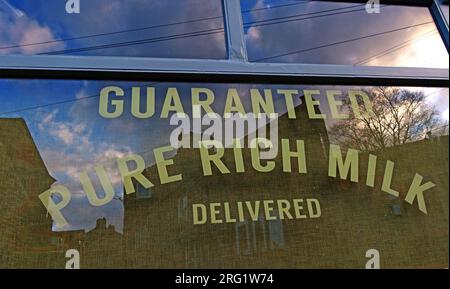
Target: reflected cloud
x,y
139,29
17,32
321,32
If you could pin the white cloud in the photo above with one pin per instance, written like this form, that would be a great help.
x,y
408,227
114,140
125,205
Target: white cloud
x,y
63,131
253,34
20,31
80,94
48,119
80,151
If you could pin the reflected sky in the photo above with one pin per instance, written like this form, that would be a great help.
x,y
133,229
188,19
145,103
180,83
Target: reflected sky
x,y
71,136
323,32
137,28
317,32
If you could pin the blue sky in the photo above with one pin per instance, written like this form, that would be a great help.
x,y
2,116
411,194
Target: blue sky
x,y
48,21
419,46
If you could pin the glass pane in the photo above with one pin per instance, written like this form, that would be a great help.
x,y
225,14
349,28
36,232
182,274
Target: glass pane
x,y
351,170
113,28
321,32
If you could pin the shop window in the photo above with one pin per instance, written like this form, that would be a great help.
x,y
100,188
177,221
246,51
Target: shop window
x,y
253,237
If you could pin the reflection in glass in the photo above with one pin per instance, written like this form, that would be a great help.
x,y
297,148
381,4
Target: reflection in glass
x,y
321,32
50,136
114,28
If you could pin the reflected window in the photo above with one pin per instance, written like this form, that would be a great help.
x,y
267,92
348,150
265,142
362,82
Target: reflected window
x,y
396,210
258,236
182,208
143,193
276,233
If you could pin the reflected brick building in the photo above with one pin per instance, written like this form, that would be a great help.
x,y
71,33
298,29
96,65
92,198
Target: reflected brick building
x,y
158,228
160,234
24,224
26,236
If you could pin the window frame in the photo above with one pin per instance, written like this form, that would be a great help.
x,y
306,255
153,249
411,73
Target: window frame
x,y
236,68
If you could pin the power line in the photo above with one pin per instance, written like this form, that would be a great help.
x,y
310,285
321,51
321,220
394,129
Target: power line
x,y
146,28
278,6
396,47
65,101
327,45
138,42
112,33
307,18
191,34
96,95
198,33
434,92
295,52
46,105
286,19
341,42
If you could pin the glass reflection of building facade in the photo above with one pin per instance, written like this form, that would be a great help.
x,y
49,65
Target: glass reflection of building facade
x,y
52,74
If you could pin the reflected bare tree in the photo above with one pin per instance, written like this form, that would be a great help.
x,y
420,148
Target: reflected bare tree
x,y
399,116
